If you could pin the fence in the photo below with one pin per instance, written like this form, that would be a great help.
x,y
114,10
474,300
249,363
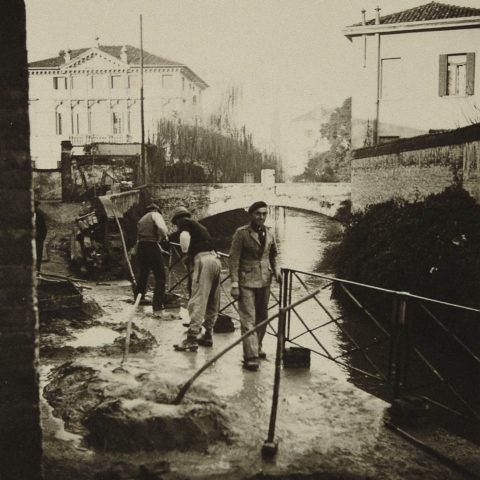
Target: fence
x,y
393,344
398,345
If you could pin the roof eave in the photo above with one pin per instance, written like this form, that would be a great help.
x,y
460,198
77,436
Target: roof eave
x,y
442,24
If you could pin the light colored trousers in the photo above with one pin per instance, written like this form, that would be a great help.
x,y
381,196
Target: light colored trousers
x,y
253,309
204,302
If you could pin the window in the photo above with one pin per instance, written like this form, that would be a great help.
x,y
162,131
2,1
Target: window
x,y
392,80
194,100
60,83
115,81
457,74
117,122
58,123
76,123
133,81
167,81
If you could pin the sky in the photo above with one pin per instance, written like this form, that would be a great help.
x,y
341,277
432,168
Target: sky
x,y
289,56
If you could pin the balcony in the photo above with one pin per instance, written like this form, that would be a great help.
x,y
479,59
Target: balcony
x,y
78,140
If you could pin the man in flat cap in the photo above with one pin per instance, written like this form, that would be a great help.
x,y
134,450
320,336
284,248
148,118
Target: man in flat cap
x,y
151,229
204,301
253,263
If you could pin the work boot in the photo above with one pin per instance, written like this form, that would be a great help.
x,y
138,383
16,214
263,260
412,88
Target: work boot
x,y
261,354
251,364
206,339
190,344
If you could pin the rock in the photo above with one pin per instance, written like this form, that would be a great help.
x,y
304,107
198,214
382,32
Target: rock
x,y
131,425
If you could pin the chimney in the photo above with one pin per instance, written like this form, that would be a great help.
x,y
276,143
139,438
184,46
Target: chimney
x,y
377,15
96,43
68,55
364,20
123,54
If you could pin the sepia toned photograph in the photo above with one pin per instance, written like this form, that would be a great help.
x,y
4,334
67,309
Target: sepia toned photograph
x,y
240,240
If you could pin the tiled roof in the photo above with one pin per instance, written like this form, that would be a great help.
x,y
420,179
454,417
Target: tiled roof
x,y
133,57
429,11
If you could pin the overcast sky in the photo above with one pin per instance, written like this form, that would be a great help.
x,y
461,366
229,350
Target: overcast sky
x,y
289,55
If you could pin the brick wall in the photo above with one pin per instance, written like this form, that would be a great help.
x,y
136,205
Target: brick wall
x,y
20,434
414,168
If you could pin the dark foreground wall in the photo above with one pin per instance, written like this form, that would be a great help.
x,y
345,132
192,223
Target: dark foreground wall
x,y
20,436
413,168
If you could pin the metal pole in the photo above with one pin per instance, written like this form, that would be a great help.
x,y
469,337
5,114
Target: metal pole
x,y
142,112
399,368
270,447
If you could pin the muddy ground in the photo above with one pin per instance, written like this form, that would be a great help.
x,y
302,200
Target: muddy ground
x,y
105,420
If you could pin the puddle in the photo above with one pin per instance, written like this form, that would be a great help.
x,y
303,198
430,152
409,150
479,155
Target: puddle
x,y
94,337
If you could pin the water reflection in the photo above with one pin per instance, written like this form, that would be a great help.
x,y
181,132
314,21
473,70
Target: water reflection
x,y
302,240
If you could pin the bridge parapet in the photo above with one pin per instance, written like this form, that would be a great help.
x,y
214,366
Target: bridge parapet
x,y
205,200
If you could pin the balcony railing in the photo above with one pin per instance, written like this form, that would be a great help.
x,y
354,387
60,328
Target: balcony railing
x,y
78,140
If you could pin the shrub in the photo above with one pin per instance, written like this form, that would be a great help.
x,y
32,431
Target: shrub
x,y
430,248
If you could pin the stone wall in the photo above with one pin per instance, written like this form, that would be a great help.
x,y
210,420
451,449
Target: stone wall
x,y
414,168
20,433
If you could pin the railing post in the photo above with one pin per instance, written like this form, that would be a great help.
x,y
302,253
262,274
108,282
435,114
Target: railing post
x,y
284,299
400,348
270,447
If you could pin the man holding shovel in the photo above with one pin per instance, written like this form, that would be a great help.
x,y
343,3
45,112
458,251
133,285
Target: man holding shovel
x,y
151,229
204,301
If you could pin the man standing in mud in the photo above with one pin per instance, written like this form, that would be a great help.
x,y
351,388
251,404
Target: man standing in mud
x,y
204,301
253,263
40,233
151,229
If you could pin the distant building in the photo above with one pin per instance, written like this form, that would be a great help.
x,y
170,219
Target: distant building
x,y
305,140
415,72
93,95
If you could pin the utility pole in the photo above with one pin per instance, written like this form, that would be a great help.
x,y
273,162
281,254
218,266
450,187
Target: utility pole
x,y
142,112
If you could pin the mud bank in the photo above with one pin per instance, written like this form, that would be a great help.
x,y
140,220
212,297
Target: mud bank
x,y
130,408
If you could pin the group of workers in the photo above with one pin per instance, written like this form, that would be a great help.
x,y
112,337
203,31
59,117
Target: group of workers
x,y
252,263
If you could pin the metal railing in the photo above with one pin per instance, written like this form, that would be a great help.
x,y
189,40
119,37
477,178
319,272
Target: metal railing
x,y
388,339
178,283
408,344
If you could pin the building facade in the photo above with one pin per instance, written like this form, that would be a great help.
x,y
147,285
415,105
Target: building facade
x,y
416,72
304,139
93,95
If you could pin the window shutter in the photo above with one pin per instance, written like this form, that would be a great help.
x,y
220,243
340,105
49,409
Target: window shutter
x,y
470,73
442,75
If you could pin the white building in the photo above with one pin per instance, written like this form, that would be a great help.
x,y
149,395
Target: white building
x,y
93,95
415,72
304,139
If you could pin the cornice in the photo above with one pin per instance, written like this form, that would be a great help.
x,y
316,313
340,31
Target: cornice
x,y
390,28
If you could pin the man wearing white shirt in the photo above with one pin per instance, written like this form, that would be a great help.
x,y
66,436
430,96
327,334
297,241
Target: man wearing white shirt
x,y
204,302
151,229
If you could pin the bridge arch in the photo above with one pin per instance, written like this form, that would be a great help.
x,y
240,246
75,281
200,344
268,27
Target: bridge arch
x,y
205,200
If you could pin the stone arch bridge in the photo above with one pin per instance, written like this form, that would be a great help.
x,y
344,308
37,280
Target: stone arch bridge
x,y
205,200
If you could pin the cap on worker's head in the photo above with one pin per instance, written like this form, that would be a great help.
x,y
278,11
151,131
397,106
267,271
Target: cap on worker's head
x,y
152,207
180,212
256,206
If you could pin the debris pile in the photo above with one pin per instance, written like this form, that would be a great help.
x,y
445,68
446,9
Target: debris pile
x,y
133,410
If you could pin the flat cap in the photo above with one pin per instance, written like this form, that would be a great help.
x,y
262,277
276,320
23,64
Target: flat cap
x,y
180,212
256,206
